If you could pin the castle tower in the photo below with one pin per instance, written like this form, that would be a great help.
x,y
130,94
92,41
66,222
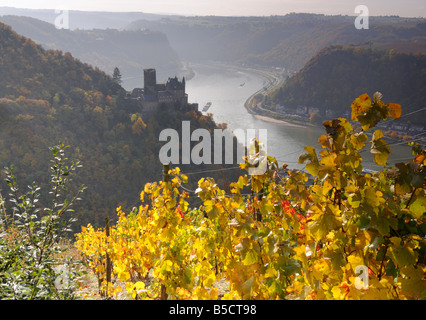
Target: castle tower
x,y
150,81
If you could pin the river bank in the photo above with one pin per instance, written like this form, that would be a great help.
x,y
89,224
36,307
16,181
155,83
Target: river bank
x,y
221,85
273,120
274,81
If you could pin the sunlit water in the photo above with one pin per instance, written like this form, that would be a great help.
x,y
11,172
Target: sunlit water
x,y
229,88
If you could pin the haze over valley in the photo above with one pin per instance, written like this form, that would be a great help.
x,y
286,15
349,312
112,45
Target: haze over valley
x,y
295,70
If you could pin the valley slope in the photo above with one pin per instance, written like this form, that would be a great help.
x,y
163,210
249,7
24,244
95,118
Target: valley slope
x,y
337,75
47,96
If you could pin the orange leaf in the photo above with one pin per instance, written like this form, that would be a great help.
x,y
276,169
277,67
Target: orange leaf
x,y
420,159
395,110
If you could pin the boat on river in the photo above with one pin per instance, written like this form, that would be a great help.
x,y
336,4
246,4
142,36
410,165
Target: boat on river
x,y
207,106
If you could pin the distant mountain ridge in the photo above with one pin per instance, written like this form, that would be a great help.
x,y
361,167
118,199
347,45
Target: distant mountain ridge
x,y
280,41
337,75
82,19
130,51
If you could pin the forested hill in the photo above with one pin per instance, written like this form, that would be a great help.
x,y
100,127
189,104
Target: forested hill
x,y
130,51
47,96
29,71
337,74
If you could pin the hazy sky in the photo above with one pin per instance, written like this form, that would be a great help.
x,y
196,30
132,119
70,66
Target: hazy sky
x,y
407,8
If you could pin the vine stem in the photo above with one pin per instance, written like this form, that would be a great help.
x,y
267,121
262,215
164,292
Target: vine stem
x,y
380,273
411,198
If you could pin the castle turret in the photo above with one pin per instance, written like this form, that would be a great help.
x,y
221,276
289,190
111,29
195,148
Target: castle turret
x,y
150,81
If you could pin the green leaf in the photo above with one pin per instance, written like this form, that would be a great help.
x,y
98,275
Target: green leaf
x,y
403,180
402,256
418,180
384,222
288,266
336,257
266,207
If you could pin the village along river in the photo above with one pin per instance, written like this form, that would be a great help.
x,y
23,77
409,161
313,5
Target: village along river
x,y
228,88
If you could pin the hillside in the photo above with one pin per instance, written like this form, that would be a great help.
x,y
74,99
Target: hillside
x,y
130,51
47,96
336,75
279,41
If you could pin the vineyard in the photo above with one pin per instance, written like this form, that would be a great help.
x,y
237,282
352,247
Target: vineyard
x,y
349,235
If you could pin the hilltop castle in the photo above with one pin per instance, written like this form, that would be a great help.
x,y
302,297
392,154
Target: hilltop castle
x,y
154,95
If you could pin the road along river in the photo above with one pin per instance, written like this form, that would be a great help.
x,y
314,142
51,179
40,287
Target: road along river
x,y
229,87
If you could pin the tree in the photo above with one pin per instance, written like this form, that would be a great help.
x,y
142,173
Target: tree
x,y
315,118
138,126
116,76
30,250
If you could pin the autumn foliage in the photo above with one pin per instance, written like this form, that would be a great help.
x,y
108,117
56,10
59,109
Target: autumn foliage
x,y
275,236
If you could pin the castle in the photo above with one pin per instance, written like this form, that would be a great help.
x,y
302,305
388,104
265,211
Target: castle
x,y
154,95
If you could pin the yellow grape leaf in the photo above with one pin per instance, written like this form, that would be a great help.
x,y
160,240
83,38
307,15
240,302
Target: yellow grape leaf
x,y
373,197
345,124
208,204
413,282
139,286
358,140
323,141
233,295
418,204
311,155
379,148
377,290
312,168
377,135
251,257
360,106
328,161
327,186
301,254
337,295
355,261
324,224
395,110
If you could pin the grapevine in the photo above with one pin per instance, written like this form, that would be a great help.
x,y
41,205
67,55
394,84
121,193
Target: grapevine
x,y
286,239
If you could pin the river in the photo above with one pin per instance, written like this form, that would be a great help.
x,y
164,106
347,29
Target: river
x,y
228,88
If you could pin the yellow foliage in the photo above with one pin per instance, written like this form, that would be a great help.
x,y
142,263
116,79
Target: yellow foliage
x,y
348,236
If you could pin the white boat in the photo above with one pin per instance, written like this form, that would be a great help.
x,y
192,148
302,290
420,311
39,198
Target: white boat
x,y
207,106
